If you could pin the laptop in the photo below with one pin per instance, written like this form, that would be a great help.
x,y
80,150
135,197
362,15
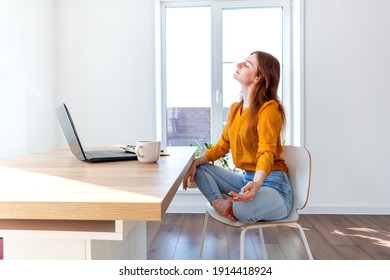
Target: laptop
x,y
73,139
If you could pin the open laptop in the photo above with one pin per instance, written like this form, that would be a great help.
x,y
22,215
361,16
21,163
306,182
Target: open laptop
x,y
69,130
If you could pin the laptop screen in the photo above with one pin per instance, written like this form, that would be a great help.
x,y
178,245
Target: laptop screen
x,y
69,130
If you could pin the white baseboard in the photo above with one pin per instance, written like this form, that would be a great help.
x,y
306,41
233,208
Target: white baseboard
x,y
192,201
352,210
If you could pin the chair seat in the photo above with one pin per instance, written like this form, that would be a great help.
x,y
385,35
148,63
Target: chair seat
x,y
225,220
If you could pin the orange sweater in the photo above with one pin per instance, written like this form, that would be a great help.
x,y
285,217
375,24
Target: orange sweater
x,y
245,156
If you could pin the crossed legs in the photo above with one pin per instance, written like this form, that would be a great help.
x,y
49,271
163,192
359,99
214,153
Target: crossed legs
x,y
269,204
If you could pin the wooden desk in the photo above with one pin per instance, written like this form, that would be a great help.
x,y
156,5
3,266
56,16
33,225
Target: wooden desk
x,y
53,206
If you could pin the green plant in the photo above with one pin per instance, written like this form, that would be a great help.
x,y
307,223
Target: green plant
x,y
195,144
223,160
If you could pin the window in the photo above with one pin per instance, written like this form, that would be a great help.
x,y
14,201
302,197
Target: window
x,y
188,75
202,41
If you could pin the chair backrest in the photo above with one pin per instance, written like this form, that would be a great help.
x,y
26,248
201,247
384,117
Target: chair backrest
x,y
298,161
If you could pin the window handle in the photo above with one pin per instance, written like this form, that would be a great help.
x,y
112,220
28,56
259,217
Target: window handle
x,y
218,96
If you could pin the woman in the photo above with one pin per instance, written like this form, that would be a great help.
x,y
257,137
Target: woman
x,y
253,135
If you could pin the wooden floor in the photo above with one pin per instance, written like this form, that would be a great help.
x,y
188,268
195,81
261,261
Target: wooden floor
x,y
331,237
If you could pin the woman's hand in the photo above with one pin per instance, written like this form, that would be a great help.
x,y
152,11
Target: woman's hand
x,y
248,192
190,174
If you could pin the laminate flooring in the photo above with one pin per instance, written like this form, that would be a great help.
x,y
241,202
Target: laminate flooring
x,y
331,237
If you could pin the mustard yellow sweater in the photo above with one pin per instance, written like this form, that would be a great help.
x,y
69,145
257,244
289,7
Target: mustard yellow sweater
x,y
235,139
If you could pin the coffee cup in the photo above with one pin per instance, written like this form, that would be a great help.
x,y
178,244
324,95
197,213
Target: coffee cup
x,y
148,151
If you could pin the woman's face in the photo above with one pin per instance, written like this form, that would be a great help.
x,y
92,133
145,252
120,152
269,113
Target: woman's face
x,y
246,72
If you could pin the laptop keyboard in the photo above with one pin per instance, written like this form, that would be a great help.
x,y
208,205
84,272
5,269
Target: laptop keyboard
x,y
99,154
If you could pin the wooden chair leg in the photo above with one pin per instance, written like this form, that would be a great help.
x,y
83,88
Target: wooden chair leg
x,y
303,236
242,245
206,218
265,257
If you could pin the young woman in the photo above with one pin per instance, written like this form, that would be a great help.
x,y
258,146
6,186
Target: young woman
x,y
253,136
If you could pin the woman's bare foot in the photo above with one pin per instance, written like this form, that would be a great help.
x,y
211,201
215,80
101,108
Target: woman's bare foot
x,y
224,207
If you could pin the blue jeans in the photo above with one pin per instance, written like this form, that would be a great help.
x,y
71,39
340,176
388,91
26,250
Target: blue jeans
x,y
272,202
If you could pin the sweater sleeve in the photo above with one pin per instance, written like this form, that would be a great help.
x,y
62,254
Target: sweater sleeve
x,y
269,126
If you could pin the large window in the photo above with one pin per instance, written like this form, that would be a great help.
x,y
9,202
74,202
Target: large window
x,y
202,41
188,75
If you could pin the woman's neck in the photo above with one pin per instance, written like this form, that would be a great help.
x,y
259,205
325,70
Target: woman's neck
x,y
245,98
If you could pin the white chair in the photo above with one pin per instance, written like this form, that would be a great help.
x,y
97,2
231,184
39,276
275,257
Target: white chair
x,y
298,160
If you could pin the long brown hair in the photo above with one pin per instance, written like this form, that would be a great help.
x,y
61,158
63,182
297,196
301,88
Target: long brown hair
x,y
266,89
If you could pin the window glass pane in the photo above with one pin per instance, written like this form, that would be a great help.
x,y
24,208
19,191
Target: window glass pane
x,y
188,57
244,31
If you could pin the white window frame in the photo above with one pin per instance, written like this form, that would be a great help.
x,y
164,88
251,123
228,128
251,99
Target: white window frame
x,y
293,58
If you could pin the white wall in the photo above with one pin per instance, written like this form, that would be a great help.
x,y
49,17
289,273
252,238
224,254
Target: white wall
x,y
95,55
105,68
347,97
26,77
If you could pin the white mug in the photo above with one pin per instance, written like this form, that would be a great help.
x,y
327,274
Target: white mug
x,y
148,151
